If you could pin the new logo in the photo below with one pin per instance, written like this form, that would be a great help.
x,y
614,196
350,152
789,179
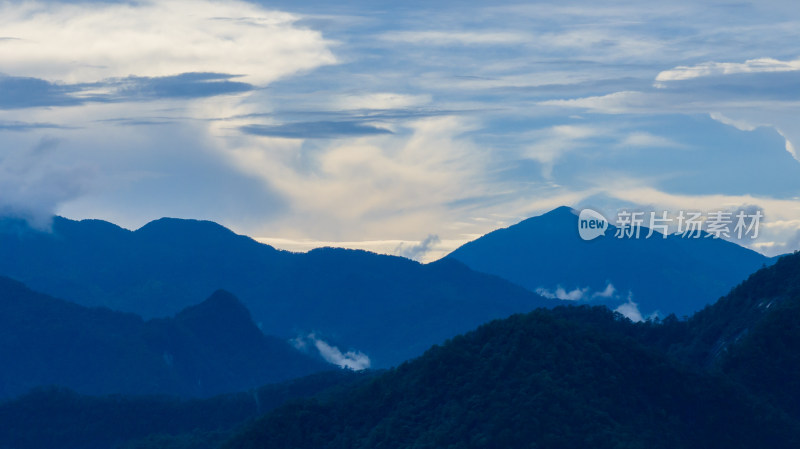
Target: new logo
x,y
591,224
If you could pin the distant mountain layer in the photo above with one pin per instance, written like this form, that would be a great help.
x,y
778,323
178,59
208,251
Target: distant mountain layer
x,y
580,377
389,308
673,275
207,349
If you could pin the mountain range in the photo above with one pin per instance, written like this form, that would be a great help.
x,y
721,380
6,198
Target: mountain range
x,y
361,308
573,375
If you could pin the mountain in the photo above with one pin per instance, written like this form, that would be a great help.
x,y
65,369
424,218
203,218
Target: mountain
x,y
673,275
56,418
352,304
580,376
564,378
753,334
207,349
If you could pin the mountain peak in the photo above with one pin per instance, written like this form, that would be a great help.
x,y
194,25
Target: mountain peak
x,y
221,309
167,225
561,211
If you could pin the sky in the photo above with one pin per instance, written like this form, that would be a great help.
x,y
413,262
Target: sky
x,y
405,129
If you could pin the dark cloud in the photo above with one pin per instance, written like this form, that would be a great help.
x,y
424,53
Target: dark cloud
x,y
314,130
185,85
19,92
24,126
311,115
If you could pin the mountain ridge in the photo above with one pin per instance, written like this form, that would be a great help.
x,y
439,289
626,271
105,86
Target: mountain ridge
x,y
353,299
48,341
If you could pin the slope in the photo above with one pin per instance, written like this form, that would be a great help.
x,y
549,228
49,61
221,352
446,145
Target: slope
x,y
573,377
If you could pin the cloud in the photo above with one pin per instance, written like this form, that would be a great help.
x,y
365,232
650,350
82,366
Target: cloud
x,y
613,103
379,101
418,251
648,140
25,126
185,85
353,360
554,142
759,65
781,216
607,293
577,294
630,310
434,252
90,42
32,184
573,295
314,130
790,244
394,121
24,92
18,93
756,93
391,182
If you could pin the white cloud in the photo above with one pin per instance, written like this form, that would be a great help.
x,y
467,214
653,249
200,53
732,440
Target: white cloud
x,y
577,293
88,42
354,360
781,119
759,65
630,310
560,293
613,103
607,293
738,124
379,101
434,251
418,250
395,184
648,140
745,115
33,182
552,143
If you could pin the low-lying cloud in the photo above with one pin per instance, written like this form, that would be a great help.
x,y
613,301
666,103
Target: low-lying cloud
x,y
32,184
418,251
577,294
630,310
354,360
